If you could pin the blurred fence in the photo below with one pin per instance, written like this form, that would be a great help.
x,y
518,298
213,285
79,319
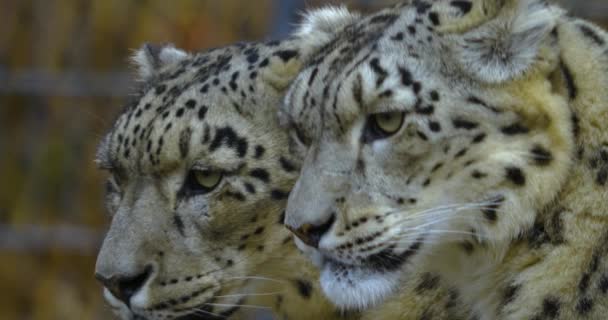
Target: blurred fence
x,y
64,74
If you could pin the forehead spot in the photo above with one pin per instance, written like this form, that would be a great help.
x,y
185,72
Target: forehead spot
x,y
191,104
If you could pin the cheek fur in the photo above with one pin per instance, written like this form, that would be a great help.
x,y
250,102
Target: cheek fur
x,y
381,147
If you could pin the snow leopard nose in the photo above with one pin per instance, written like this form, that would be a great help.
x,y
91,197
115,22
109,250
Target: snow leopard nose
x,y
123,287
311,234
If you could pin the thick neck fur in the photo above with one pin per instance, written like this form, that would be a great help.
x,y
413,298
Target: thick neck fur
x,y
570,233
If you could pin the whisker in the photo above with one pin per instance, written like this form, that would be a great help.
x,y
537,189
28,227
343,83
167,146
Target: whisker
x,y
409,239
256,278
237,305
424,211
440,231
249,294
205,312
441,210
426,224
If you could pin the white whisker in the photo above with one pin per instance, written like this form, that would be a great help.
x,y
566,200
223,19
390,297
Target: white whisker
x,y
439,231
205,312
249,294
236,305
442,210
256,278
443,207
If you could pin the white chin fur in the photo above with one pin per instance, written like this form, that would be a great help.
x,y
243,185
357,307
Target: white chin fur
x,y
365,289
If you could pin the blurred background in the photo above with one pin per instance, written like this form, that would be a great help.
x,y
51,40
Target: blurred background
x,y
64,75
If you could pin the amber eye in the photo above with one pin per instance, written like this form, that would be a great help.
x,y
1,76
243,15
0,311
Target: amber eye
x,y
208,179
383,125
202,181
390,122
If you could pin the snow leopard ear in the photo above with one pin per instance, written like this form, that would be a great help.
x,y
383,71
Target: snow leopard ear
x,y
150,58
319,26
508,43
317,29
102,156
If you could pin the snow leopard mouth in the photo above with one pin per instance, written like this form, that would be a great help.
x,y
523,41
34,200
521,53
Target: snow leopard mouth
x,y
369,282
385,260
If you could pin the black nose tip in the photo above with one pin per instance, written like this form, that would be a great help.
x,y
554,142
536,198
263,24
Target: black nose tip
x,y
124,287
312,234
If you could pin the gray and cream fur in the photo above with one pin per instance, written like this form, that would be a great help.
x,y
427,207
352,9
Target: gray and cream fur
x,y
179,250
464,139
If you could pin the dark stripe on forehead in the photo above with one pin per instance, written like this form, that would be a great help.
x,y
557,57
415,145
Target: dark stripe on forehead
x,y
337,61
179,224
406,77
380,72
348,73
358,91
184,142
226,136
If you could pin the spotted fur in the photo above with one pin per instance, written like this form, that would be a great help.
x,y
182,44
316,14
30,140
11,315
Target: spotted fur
x,y
495,183
173,252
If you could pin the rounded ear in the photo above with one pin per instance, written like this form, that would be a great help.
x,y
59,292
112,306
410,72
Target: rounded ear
x,y
319,26
508,43
317,29
102,156
149,59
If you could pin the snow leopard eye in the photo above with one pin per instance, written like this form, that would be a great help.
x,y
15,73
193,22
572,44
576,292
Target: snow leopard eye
x,y
383,125
202,181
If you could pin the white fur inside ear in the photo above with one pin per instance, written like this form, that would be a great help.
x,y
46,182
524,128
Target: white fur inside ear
x,y
326,20
150,58
319,25
170,55
507,46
